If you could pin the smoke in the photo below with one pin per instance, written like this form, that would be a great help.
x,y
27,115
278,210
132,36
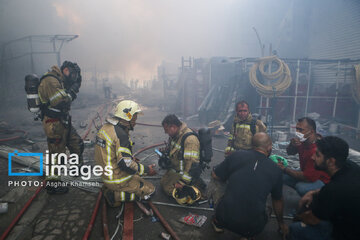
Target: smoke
x,y
132,38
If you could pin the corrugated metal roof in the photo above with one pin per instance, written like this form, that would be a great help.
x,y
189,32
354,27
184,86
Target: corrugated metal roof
x,y
334,30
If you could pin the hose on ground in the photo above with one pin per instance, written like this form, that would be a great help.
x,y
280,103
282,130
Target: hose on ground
x,y
14,137
279,80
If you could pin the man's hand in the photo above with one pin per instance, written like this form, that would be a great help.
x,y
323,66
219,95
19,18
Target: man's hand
x,y
309,218
152,171
179,185
283,230
307,199
281,165
295,142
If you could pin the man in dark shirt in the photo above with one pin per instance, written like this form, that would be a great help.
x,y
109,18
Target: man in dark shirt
x,y
307,178
250,177
338,202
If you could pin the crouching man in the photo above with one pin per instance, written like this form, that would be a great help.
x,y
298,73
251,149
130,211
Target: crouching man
x,y
183,167
250,177
113,149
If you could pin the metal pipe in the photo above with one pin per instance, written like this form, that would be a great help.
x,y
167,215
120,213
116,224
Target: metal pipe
x,y
337,90
31,56
316,97
163,221
218,150
260,43
296,89
308,89
92,220
149,125
182,206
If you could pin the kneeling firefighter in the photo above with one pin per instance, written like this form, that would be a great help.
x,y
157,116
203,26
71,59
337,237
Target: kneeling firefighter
x,y
183,164
56,91
113,150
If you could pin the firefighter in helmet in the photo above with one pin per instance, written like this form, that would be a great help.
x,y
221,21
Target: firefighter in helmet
x,y
57,90
113,149
183,166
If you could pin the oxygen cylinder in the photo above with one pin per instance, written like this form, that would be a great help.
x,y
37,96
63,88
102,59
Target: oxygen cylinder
x,y
31,87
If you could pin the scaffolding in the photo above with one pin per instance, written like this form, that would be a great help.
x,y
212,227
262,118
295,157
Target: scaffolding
x,y
56,43
320,85
25,49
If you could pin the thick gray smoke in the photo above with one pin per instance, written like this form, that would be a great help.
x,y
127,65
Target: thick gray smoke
x,y
132,37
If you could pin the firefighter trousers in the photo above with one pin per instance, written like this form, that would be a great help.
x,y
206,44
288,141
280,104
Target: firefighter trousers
x,y
59,137
168,181
133,189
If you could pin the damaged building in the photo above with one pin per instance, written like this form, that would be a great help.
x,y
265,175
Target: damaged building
x,y
142,74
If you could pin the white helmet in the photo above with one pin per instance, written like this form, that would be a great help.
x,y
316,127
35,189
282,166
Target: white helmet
x,y
126,109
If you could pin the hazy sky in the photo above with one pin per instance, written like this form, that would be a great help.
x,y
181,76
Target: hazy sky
x,y
134,36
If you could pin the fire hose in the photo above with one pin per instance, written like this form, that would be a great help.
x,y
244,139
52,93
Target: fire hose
x,y
15,137
282,76
38,190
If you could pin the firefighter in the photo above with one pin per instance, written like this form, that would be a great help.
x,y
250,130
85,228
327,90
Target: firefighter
x,y
57,89
183,163
243,129
113,149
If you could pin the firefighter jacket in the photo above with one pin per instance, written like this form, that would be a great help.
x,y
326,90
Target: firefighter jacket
x,y
53,95
182,163
241,134
113,150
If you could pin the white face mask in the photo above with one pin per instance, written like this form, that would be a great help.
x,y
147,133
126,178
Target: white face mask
x,y
300,136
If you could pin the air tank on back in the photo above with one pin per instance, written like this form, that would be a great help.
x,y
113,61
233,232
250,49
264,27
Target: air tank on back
x,y
31,87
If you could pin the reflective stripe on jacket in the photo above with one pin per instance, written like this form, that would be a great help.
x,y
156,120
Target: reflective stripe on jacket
x,y
182,164
109,151
52,91
240,136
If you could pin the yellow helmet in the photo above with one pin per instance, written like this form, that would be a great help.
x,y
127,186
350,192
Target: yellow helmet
x,y
191,195
126,109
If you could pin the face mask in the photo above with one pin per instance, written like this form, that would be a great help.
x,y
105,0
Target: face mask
x,y
300,136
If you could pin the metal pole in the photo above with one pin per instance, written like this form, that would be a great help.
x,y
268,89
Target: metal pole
x,y
268,111
182,206
337,90
58,58
260,43
308,89
31,56
296,89
209,87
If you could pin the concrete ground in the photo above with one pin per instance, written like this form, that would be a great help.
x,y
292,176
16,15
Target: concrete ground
x,y
67,216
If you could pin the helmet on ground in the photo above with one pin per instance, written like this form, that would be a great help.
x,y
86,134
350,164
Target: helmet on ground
x,y
126,110
186,195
